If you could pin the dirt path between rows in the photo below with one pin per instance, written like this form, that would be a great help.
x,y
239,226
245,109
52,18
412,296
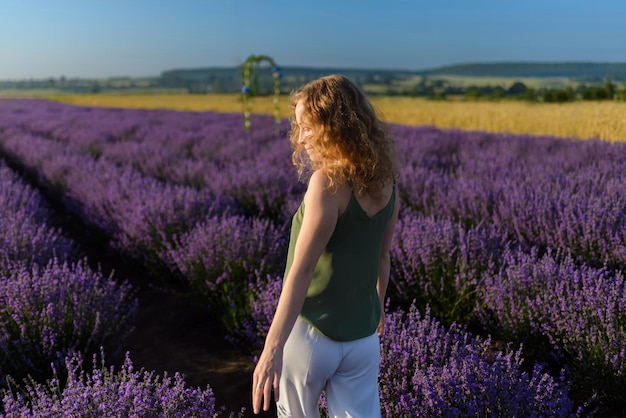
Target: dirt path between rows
x,y
174,332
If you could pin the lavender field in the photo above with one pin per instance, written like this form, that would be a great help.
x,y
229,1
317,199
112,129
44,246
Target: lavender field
x,y
507,294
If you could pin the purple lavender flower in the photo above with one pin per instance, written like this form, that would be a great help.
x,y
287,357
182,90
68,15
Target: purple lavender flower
x,y
25,232
439,263
428,370
47,312
106,392
223,255
565,311
251,337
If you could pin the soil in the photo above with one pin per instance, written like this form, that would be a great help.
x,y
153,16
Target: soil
x,y
174,332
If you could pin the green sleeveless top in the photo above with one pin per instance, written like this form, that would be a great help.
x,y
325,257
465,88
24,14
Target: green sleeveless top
x,y
342,302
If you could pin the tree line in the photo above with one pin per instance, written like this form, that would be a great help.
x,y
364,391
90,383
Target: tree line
x,y
518,90
431,85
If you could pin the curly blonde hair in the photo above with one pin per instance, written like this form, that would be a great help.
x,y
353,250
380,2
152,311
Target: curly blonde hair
x,y
350,138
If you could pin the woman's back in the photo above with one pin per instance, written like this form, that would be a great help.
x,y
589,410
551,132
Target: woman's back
x,y
371,205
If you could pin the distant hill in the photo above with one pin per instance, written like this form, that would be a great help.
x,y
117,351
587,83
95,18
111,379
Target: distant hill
x,y
229,78
579,71
374,81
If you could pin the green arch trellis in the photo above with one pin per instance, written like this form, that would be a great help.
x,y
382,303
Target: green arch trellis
x,y
250,73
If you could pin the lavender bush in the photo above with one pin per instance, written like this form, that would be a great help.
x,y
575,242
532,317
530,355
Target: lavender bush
x,y
251,337
48,312
138,213
439,264
223,255
542,191
428,370
578,312
106,392
25,232
233,163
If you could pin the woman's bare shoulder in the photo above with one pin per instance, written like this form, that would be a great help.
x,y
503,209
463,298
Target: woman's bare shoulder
x,y
318,182
320,188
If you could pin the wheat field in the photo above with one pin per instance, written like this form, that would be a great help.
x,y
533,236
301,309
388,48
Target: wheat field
x,y
584,119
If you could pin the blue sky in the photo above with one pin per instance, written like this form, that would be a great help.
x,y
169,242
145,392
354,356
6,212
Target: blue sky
x,y
103,38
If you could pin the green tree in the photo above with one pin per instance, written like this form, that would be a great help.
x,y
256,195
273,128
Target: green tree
x,y
94,87
497,93
530,95
473,93
621,93
517,89
610,88
559,95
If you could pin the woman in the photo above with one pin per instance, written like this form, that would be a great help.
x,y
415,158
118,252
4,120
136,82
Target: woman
x,y
324,332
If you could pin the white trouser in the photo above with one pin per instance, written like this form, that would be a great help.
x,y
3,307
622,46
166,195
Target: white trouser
x,y
348,371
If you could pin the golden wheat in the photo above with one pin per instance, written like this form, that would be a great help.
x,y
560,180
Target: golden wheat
x,y
603,120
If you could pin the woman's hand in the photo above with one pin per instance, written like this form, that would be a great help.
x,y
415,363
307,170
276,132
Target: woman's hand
x,y
265,378
381,324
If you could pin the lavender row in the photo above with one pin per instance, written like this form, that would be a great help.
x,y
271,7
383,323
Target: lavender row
x,y
139,213
431,370
50,304
439,262
202,150
575,314
562,311
53,311
542,191
106,392
25,231
222,256
174,229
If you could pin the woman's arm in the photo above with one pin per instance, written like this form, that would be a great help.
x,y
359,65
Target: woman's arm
x,y
319,221
384,266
